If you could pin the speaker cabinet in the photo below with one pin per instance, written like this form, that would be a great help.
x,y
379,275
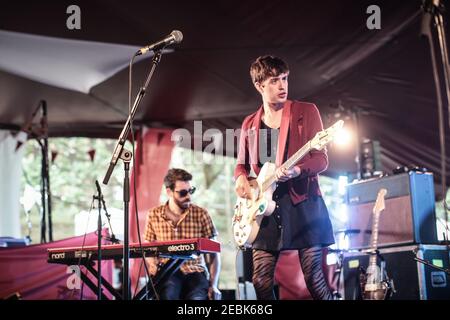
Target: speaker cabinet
x,y
412,280
408,217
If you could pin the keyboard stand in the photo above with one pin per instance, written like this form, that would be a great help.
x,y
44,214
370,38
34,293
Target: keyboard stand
x,y
168,269
146,293
105,283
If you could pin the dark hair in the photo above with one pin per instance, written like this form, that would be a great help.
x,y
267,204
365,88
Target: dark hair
x,y
267,66
174,175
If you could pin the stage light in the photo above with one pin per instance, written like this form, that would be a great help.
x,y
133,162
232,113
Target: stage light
x,y
342,214
29,198
342,184
343,138
343,242
370,159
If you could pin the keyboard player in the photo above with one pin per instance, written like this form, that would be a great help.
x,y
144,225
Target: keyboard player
x,y
179,219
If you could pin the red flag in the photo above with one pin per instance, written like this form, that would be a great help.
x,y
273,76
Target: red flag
x,y
92,154
54,155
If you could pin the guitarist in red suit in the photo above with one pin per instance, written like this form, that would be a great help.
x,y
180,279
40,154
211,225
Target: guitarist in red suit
x,y
300,220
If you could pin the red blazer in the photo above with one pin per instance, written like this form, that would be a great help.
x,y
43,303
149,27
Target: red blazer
x,y
302,120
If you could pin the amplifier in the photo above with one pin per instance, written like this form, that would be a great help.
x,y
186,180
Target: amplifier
x,y
408,217
412,280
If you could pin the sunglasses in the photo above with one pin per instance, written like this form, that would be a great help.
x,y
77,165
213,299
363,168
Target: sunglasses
x,y
183,193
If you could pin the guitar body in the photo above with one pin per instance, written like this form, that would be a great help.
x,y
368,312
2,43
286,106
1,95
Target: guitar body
x,y
249,213
375,291
377,294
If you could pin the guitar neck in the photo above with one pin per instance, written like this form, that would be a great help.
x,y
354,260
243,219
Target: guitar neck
x,y
374,238
292,161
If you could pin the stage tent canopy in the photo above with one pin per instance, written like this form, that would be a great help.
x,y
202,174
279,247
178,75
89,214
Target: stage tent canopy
x,y
335,61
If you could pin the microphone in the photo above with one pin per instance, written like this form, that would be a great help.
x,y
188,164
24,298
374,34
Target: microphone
x,y
174,37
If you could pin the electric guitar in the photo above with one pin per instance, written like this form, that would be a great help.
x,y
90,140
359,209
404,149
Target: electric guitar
x,y
375,284
249,213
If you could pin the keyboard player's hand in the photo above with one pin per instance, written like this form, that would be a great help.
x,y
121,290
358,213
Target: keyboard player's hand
x,y
214,293
152,265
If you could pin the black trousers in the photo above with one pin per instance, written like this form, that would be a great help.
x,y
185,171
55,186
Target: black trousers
x,y
180,286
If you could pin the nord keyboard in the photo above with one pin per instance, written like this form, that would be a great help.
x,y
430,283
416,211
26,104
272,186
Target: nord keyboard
x,y
182,249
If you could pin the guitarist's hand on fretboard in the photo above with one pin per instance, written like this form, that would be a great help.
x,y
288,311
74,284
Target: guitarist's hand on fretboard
x,y
284,174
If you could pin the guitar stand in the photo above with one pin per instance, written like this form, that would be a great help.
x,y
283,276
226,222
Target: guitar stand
x,y
389,283
339,270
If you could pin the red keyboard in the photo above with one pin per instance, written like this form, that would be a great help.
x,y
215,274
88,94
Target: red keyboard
x,y
171,249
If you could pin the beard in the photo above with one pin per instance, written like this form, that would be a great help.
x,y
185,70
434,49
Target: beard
x,y
184,204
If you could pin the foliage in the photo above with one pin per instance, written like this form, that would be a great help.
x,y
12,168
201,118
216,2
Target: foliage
x,y
72,181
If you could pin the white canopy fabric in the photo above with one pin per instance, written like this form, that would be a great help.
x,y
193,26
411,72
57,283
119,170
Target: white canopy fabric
x,y
70,64
10,174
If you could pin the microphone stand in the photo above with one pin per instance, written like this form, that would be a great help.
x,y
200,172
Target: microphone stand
x,y
99,197
41,136
425,262
45,164
112,238
126,156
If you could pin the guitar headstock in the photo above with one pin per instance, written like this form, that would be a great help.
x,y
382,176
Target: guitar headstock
x,y
379,203
322,138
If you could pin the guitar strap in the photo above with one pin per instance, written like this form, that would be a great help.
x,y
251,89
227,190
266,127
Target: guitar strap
x,y
284,129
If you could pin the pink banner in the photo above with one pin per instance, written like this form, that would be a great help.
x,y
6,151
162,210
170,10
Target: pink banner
x,y
152,159
25,271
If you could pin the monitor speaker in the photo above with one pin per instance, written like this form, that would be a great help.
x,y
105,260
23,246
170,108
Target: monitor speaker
x,y
408,217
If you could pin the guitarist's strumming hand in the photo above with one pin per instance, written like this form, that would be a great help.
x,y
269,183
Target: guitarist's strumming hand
x,y
284,174
242,188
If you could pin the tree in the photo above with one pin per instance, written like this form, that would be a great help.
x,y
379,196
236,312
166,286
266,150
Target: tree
x,y
72,181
